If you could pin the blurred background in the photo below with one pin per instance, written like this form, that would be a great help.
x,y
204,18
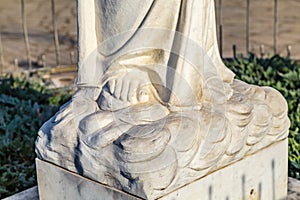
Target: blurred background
x,y
262,16
39,22
232,15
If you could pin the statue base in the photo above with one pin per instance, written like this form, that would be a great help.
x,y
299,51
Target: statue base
x,y
260,176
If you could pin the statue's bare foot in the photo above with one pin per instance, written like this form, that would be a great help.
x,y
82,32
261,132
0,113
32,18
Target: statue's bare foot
x,y
127,89
132,87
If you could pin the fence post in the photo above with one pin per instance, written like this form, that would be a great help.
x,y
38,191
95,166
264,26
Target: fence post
x,y
25,30
44,60
248,26
1,55
234,51
55,33
72,57
220,29
262,50
289,51
275,25
16,64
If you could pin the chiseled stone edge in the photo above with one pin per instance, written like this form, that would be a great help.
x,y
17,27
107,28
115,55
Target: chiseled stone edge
x,y
293,189
32,193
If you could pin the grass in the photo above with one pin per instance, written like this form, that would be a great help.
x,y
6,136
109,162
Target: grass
x,y
24,107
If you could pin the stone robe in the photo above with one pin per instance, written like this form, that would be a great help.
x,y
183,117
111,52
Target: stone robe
x,y
180,45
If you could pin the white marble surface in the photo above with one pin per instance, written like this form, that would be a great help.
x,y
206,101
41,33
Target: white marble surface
x,y
260,176
156,109
29,194
57,183
293,189
32,193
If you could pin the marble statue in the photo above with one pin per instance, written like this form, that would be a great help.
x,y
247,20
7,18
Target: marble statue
x,y
155,107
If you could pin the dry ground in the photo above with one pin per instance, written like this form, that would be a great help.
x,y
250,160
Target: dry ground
x,y
234,18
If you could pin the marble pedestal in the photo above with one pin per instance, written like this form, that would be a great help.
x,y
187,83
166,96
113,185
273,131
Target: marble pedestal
x,y
259,176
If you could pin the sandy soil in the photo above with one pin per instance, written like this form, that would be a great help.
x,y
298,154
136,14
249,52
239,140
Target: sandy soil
x,y
39,20
234,28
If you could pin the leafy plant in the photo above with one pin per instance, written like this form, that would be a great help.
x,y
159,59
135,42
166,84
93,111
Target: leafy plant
x,y
284,75
24,106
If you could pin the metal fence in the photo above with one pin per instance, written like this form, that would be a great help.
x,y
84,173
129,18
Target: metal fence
x,y
273,5
220,5
23,31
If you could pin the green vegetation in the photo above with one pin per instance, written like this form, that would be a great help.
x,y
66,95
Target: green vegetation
x,y
282,74
26,105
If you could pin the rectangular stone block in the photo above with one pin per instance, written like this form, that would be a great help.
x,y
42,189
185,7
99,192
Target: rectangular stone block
x,y
259,176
